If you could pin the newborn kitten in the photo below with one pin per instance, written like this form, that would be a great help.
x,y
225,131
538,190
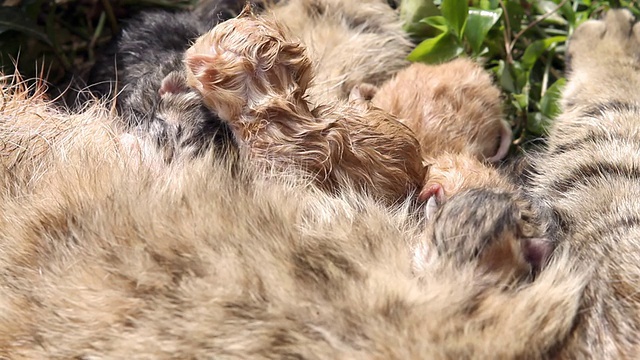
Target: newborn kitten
x,y
452,107
497,230
255,77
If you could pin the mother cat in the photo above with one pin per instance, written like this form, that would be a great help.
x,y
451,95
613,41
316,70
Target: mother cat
x,y
103,258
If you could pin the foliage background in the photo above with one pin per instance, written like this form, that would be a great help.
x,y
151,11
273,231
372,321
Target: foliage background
x,y
521,41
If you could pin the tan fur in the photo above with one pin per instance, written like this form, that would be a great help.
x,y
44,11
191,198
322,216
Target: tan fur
x,y
458,172
452,107
254,76
348,41
32,127
109,258
455,112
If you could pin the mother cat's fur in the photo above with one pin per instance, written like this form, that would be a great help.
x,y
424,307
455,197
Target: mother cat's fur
x,y
104,255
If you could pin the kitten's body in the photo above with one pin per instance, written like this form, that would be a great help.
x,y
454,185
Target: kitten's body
x,y
452,107
152,46
252,73
349,42
455,112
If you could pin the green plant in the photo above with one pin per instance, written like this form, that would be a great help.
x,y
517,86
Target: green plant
x,y
521,42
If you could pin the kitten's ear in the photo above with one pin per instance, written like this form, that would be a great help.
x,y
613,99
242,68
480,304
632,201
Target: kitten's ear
x,y
537,251
174,83
201,66
247,10
364,91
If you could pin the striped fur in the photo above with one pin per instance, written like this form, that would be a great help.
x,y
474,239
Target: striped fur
x,y
590,178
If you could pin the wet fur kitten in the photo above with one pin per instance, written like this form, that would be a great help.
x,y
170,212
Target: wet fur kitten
x,y
452,107
455,112
252,73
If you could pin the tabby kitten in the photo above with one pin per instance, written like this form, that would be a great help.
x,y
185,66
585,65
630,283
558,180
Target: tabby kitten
x,y
147,54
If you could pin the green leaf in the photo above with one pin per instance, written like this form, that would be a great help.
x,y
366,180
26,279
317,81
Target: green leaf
x,y
546,6
485,4
437,50
567,11
13,19
516,15
537,123
537,48
550,102
522,100
521,76
412,11
478,25
504,76
438,22
456,12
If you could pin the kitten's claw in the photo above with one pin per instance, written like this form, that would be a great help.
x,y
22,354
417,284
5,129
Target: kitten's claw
x,y
431,207
434,196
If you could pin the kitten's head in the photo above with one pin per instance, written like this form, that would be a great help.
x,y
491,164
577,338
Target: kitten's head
x,y
244,61
498,231
182,124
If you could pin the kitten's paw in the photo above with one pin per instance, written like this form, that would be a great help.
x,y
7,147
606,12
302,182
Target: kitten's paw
x,y
615,37
496,231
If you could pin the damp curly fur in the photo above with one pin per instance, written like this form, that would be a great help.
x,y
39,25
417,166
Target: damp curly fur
x,y
455,112
255,76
